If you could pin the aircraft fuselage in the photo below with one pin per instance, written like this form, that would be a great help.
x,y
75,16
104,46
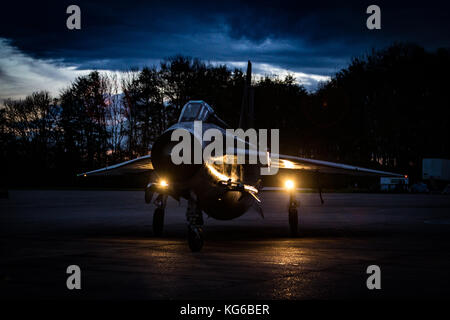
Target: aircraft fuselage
x,y
208,182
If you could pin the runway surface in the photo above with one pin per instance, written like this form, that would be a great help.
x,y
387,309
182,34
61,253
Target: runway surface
x,y
108,235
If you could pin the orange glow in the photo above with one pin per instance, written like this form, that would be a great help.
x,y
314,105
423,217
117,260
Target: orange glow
x,y
289,184
217,174
163,183
287,164
222,177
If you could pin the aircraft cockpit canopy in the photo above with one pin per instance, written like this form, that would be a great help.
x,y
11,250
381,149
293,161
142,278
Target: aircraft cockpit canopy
x,y
195,111
198,110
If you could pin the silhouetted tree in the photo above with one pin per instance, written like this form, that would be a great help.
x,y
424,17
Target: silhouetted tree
x,y
387,109
83,120
115,117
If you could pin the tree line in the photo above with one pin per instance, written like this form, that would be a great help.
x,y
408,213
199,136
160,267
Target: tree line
x,y
387,109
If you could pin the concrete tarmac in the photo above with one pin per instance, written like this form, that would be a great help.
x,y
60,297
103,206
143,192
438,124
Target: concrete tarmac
x,y
108,235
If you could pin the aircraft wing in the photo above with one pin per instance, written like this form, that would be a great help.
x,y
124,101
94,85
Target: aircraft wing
x,y
298,163
143,164
283,161
138,165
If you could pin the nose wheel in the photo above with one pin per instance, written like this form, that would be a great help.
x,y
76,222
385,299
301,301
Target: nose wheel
x,y
158,215
195,238
158,222
194,217
293,221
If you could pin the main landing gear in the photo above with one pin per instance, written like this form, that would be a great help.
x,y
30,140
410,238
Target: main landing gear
x,y
158,215
194,217
293,214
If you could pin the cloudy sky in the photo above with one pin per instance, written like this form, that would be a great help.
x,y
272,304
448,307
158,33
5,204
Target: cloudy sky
x,y
310,39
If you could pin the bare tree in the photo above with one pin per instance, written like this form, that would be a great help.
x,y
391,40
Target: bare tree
x,y
130,98
116,115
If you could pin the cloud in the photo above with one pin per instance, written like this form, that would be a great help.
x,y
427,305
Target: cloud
x,y
309,81
120,32
311,40
20,74
317,38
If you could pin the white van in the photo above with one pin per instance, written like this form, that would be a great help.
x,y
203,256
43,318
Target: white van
x,y
394,184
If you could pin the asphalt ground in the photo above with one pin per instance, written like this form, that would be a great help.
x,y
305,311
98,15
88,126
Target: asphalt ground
x,y
108,235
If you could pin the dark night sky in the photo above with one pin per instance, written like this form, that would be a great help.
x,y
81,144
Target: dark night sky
x,y
308,38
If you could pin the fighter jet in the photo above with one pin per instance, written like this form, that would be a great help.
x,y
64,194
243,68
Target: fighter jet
x,y
223,191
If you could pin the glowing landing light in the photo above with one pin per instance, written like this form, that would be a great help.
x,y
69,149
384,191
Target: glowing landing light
x,y
163,183
289,184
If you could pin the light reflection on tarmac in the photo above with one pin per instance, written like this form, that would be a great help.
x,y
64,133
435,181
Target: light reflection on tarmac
x,y
108,234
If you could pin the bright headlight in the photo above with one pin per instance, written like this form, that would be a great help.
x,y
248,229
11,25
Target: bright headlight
x,y
163,183
289,184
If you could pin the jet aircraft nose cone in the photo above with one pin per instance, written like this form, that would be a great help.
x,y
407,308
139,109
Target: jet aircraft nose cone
x,y
163,164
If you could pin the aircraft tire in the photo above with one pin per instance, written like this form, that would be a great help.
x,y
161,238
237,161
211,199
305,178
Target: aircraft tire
x,y
293,221
195,238
148,196
158,222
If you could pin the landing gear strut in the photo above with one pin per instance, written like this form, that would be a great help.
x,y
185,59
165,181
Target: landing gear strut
x,y
158,215
293,214
195,221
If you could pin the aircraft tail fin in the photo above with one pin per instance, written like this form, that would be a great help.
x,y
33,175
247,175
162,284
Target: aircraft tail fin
x,y
247,117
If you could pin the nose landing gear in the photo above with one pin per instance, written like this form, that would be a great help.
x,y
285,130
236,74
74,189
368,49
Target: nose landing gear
x,y
195,238
194,217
